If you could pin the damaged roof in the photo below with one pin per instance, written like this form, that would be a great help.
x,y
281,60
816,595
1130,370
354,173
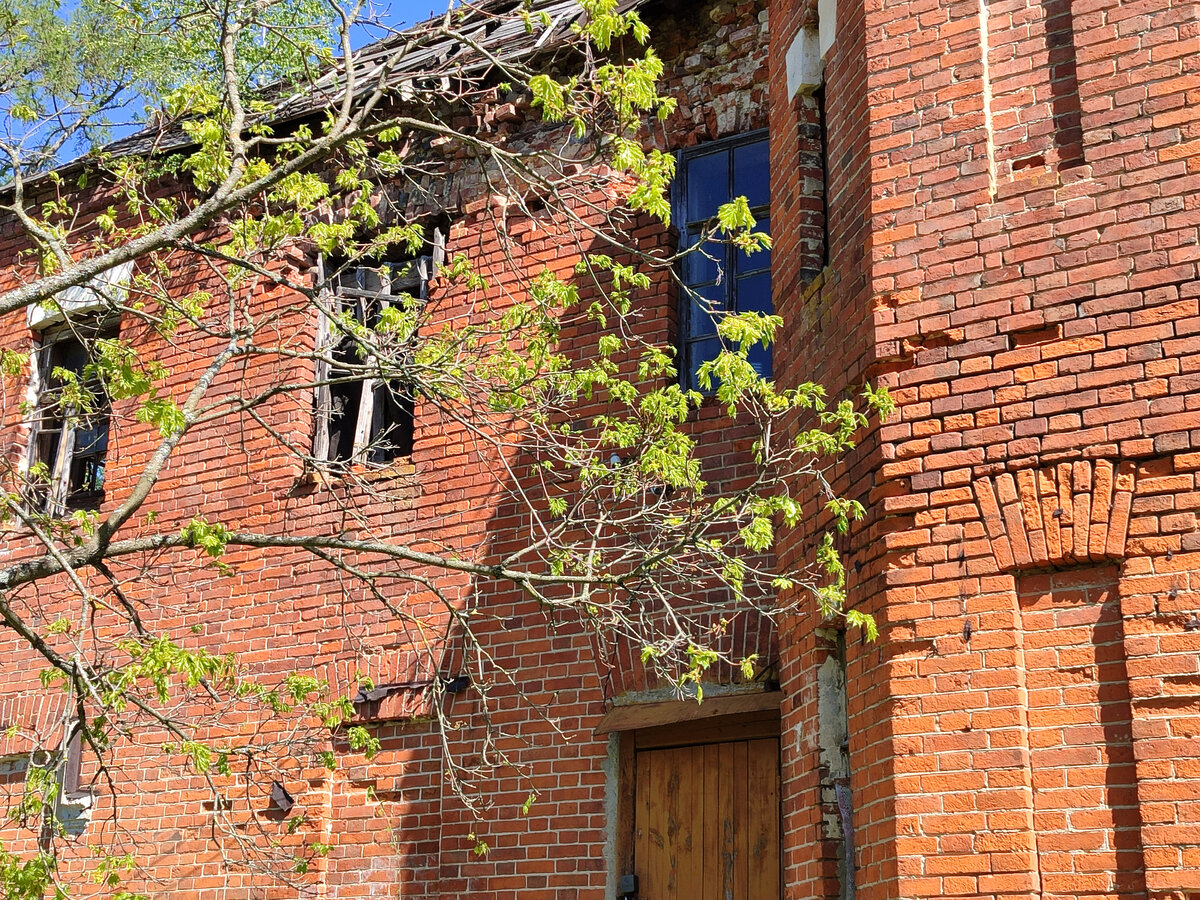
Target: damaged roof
x,y
481,31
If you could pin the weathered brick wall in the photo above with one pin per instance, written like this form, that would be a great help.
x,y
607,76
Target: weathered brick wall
x,y
392,822
828,313
1027,723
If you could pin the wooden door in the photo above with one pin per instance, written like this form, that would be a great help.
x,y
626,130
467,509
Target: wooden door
x,y
706,821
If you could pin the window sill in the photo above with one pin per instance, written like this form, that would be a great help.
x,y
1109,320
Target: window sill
x,y
710,407
328,476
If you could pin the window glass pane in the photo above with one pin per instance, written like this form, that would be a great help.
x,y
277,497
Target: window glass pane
x,y
760,357
700,352
364,278
754,293
708,185
704,301
703,266
92,436
67,353
409,276
759,260
86,478
751,169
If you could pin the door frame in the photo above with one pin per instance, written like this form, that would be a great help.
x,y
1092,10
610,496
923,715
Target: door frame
x,y
716,728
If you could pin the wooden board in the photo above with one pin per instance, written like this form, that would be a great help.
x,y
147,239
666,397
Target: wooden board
x,y
744,727
762,814
648,715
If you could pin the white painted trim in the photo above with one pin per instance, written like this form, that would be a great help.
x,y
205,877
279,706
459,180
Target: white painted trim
x,y
101,292
827,21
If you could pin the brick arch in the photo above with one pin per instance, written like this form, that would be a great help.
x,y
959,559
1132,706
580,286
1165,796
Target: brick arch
x,y
1059,515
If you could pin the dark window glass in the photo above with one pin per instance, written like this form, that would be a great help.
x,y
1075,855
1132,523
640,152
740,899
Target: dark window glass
x,y
708,184
391,424
345,398
717,276
754,292
750,167
703,266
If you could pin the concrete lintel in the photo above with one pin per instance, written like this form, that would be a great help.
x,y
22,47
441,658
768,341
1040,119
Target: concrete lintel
x,y
110,286
805,65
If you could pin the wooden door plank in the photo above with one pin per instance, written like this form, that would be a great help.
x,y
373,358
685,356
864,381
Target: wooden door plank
x,y
626,823
709,824
763,814
690,842
741,842
725,819
660,803
676,820
774,810
641,821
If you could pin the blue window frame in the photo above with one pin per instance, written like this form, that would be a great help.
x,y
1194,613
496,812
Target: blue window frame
x,y
718,277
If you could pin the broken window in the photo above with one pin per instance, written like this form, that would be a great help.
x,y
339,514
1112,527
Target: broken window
x,y
70,421
719,278
363,415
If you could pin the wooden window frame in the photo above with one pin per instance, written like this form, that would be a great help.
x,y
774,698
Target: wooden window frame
x,y
59,496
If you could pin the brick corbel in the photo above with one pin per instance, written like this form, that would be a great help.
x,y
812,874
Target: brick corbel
x,y
1061,515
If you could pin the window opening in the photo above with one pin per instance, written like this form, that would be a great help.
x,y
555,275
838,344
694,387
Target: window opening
x,y
363,418
71,420
719,278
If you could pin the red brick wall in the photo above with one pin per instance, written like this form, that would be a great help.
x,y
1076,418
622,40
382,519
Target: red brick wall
x,y
392,822
1026,724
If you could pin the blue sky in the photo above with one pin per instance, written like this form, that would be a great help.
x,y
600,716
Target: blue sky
x,y
410,11
399,14
394,13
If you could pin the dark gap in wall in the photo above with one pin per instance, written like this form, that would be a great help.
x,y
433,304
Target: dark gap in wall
x,y
819,96
1031,336
833,725
1064,83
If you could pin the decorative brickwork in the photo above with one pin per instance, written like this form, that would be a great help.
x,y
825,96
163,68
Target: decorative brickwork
x,y
1059,515
1026,726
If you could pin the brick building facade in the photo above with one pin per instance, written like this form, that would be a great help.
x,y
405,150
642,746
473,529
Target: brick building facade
x,y
991,208
1016,260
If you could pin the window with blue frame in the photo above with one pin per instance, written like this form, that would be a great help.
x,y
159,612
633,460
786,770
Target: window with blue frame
x,y
718,277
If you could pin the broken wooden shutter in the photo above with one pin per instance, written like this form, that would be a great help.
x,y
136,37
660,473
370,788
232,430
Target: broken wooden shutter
x,y
368,307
